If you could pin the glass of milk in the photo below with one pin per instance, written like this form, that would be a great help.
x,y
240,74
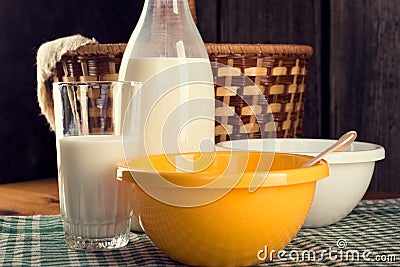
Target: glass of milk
x,y
95,206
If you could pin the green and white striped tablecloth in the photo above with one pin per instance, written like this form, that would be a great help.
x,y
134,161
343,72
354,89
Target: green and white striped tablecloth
x,y
369,236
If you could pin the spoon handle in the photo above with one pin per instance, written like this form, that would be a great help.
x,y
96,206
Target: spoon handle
x,y
341,144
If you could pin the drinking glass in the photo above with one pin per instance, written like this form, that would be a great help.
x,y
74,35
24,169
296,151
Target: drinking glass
x,y
95,206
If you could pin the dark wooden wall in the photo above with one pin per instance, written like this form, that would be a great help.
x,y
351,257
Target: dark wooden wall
x,y
353,79
364,79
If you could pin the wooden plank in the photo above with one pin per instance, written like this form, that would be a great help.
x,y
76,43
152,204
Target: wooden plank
x,y
346,68
381,98
208,20
365,79
276,21
30,198
314,112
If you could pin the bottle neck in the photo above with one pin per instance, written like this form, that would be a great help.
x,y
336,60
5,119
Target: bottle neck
x,y
166,28
175,6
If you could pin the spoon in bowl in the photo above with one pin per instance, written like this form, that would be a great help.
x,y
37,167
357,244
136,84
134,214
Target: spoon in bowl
x,y
340,145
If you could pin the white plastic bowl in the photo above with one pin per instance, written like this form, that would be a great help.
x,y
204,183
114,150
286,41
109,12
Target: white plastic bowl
x,y
350,173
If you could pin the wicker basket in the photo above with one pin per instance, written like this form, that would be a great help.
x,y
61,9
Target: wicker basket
x,y
279,71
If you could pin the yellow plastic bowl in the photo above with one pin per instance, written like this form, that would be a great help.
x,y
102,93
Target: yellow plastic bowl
x,y
235,228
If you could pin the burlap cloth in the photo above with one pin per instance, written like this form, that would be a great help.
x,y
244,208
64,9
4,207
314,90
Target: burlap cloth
x,y
47,56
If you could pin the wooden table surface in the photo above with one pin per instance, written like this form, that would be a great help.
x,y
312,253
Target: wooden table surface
x,y
30,198
41,197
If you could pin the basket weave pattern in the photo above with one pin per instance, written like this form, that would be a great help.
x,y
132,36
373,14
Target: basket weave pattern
x,y
90,63
279,72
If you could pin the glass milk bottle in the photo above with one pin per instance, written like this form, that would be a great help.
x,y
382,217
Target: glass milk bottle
x,y
166,53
